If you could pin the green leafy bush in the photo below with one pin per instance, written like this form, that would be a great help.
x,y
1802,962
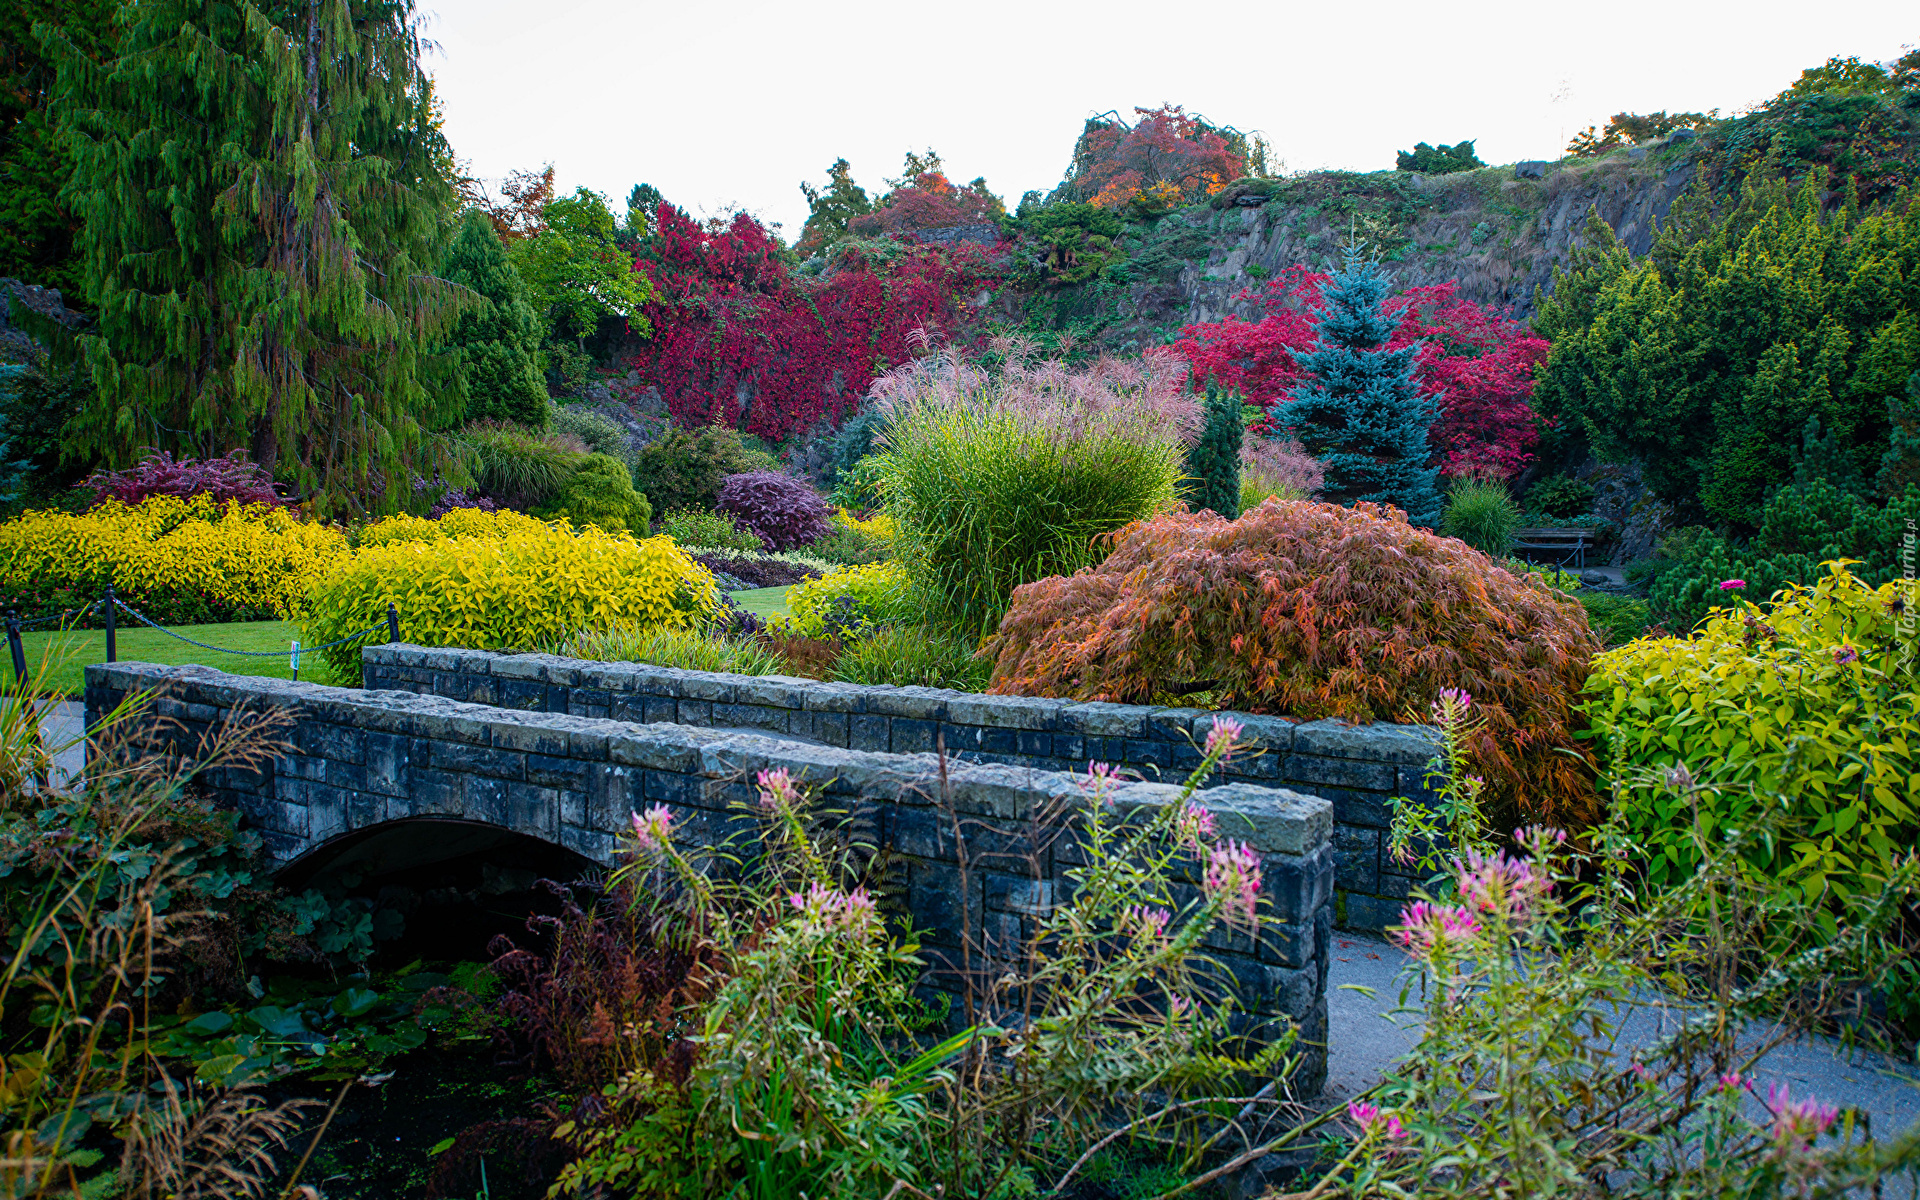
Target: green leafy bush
x,y
708,530
1481,513
852,600
682,646
1560,496
517,466
1802,526
601,433
913,656
1808,697
684,468
600,492
1438,160
1000,479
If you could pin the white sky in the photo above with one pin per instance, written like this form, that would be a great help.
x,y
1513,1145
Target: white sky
x,y
731,105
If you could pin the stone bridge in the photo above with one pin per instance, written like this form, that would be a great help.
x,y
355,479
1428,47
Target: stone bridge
x,y
563,751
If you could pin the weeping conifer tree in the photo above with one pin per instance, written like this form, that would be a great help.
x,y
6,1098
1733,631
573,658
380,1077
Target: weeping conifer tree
x,y
1362,414
1213,462
263,190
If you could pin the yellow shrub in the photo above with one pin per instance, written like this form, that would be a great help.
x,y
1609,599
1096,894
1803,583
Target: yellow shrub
x,y
461,522
1808,703
502,580
181,556
879,526
881,593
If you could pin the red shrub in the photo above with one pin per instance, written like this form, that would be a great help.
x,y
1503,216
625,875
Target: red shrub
x,y
1167,156
930,201
1314,611
739,341
1476,361
160,474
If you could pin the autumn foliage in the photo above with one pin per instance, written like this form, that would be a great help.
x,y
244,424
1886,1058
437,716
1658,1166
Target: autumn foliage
x,y
929,201
1475,361
740,341
1166,158
1318,611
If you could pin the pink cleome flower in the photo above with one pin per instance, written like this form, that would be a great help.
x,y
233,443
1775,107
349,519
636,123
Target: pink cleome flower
x,y
1453,705
1233,877
1224,738
654,828
1369,1119
823,907
1500,886
1195,825
1426,928
1732,585
1151,922
1797,1123
777,790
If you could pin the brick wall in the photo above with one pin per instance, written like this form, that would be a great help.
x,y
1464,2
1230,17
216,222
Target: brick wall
x,y
1358,768
359,759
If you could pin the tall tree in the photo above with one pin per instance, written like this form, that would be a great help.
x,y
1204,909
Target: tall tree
x,y
1213,461
263,200
36,229
575,271
498,341
830,208
1362,413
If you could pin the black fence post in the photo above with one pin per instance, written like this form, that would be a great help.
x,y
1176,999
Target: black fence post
x,y
393,623
113,650
19,651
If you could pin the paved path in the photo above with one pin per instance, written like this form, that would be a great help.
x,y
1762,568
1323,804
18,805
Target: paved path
x,y
1363,1043
62,723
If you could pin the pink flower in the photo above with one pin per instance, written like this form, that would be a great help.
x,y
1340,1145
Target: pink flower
x,y
653,828
1500,886
1195,825
1099,781
1233,879
1426,928
777,790
1151,922
1369,1119
1845,654
1733,1081
1730,585
1797,1123
1453,705
1540,838
1640,1071
1224,737
824,908
1179,1005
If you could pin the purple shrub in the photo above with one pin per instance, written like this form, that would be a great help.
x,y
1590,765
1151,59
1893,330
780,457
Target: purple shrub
x,y
448,497
785,512
160,474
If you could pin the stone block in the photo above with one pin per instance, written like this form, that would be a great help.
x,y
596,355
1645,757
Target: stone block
x,y
867,732
918,703
709,685
530,738
833,698
1003,712
533,810
1296,886
1369,912
1357,851
910,735
1380,742
1109,720
477,760
1316,770
1365,809
1271,820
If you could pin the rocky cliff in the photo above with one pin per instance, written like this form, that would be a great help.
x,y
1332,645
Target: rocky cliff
x,y
1498,232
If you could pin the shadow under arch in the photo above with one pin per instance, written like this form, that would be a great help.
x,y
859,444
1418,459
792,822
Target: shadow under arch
x,y
455,884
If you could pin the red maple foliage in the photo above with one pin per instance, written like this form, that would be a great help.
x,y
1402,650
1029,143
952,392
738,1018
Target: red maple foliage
x,y
1478,362
1165,158
740,341
930,201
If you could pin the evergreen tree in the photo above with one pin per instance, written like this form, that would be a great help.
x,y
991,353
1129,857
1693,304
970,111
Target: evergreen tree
x,y
1362,415
36,229
1213,462
1900,466
829,209
498,341
262,205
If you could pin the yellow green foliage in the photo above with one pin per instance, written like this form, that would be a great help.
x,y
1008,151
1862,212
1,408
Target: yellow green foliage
x,y
461,522
881,592
241,557
499,580
879,526
1812,699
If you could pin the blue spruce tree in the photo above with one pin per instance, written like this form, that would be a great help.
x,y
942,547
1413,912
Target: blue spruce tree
x,y
1362,415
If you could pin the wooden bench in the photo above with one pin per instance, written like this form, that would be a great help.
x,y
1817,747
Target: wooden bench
x,y
1568,546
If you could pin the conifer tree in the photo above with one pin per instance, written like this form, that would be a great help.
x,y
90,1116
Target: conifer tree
x,y
1213,462
263,200
1362,414
1900,466
497,340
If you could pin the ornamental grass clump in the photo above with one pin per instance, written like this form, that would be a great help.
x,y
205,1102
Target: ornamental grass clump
x,y
1315,611
1481,513
999,478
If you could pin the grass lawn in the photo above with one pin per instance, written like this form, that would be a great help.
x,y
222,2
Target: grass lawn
x,y
66,654
765,602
